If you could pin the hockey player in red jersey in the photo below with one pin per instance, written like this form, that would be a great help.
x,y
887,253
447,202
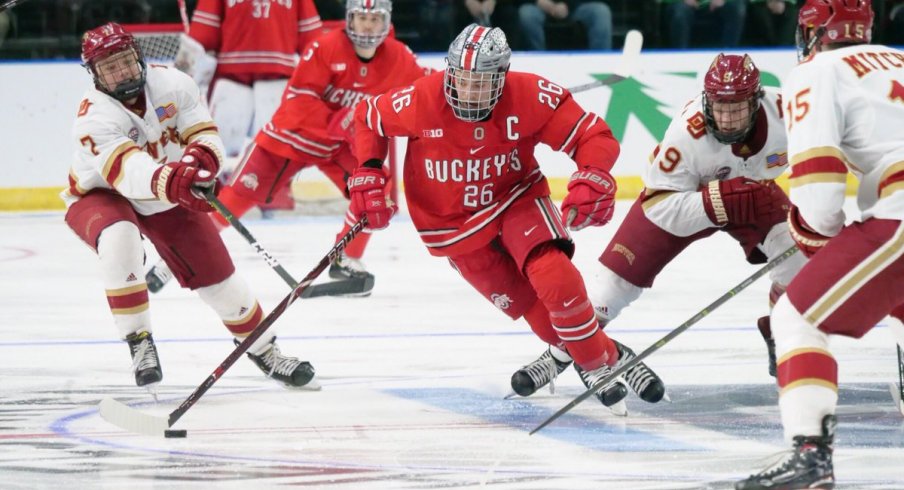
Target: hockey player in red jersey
x,y
844,112
254,48
476,195
145,145
313,124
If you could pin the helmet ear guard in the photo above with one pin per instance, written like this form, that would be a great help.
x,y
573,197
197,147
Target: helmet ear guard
x,y
477,61
731,79
102,42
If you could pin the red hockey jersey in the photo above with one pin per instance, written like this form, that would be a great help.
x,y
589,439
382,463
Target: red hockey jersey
x,y
252,37
330,76
460,176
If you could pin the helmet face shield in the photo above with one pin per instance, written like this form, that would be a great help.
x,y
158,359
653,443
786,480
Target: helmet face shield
x,y
367,22
476,65
731,97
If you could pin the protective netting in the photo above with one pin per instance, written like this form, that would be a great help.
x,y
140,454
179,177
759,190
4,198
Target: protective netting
x,y
159,42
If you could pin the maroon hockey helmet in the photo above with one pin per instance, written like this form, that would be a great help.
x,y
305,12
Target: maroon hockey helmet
x,y
732,82
833,21
107,40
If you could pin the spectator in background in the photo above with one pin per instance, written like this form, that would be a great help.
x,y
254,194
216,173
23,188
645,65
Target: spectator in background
x,y
727,14
436,25
596,17
489,13
4,25
330,9
895,24
772,22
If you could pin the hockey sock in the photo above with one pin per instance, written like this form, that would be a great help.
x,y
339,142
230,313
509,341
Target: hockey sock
x,y
355,249
235,203
538,319
561,289
121,255
237,308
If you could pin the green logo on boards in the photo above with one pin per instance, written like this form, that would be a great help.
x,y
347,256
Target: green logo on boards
x,y
630,98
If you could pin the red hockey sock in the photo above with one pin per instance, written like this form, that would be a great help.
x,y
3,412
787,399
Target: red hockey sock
x,y
355,249
560,288
236,204
538,319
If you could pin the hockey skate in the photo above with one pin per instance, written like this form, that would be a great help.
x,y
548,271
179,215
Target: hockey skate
x,y
612,395
145,363
158,276
531,377
642,380
351,279
808,465
288,370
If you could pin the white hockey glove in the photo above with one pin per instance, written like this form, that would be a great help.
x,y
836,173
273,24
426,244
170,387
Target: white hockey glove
x,y
194,61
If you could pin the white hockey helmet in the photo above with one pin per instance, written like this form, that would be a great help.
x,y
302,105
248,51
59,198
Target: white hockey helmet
x,y
365,40
476,65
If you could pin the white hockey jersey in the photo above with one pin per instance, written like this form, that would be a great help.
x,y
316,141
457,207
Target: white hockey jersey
x,y
118,150
845,112
689,157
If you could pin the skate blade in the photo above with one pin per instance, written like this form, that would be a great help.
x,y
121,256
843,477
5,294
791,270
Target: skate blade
x,y
666,397
619,409
312,385
152,390
511,395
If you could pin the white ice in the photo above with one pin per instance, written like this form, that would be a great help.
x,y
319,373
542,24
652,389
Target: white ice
x,y
413,380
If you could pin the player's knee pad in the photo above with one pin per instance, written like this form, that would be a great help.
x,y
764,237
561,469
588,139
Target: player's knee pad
x,y
777,241
267,96
791,330
610,294
120,251
232,108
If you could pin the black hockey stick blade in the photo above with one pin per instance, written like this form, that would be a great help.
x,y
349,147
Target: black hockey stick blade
x,y
897,391
130,419
668,337
627,66
354,286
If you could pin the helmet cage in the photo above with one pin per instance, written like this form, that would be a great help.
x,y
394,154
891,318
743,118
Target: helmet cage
x,y
107,40
476,65
732,79
367,41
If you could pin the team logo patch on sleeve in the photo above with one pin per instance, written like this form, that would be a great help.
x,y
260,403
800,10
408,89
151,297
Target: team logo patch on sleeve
x,y
777,160
165,112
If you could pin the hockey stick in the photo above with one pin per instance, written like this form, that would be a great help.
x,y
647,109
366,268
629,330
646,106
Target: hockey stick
x,y
627,66
130,419
671,335
8,4
183,14
328,289
897,392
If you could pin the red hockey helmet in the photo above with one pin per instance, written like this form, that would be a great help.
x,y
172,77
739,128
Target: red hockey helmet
x,y
731,97
833,21
108,40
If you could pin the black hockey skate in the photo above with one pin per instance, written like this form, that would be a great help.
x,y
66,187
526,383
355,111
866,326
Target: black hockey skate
x,y
611,395
288,370
531,377
640,378
808,465
145,363
351,280
158,276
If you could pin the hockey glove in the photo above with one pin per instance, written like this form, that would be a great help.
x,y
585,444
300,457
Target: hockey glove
x,y
740,201
368,198
590,200
808,241
184,185
341,127
202,156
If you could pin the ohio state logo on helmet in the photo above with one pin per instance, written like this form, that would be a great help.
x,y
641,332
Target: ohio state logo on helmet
x,y
476,65
731,97
107,40
359,7
833,21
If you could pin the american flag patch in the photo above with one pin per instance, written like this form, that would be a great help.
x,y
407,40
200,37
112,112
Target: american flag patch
x,y
777,160
165,112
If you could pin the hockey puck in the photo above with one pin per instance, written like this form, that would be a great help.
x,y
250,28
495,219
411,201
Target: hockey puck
x,y
175,433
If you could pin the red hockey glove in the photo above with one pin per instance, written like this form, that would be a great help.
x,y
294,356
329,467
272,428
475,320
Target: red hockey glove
x,y
341,126
740,201
202,156
808,241
590,200
366,191
184,185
